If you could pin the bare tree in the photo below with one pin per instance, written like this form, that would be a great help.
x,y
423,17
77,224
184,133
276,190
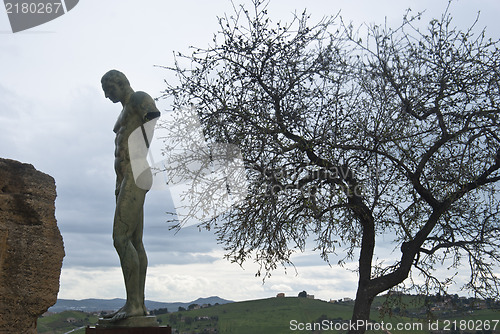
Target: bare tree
x,y
347,139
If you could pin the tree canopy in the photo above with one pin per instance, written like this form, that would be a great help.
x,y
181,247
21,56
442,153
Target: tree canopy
x,y
348,136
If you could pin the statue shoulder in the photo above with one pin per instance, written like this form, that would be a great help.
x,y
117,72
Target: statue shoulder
x,y
141,98
144,104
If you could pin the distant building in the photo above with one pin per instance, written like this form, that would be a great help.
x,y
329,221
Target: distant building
x,y
347,299
481,305
280,295
310,296
395,293
335,301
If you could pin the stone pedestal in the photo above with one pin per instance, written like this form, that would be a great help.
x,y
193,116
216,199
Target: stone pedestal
x,y
145,321
129,330
131,325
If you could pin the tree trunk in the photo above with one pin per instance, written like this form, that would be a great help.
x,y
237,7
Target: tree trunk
x,y
368,288
364,295
361,312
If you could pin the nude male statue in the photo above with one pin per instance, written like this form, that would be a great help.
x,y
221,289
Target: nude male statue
x,y
138,108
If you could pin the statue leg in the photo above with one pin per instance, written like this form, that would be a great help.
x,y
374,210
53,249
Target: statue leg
x,y
143,259
127,228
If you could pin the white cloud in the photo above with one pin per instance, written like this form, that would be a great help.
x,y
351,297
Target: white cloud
x,y
281,288
187,282
83,283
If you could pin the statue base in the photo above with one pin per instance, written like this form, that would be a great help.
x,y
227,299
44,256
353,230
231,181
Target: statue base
x,y
144,321
129,330
131,325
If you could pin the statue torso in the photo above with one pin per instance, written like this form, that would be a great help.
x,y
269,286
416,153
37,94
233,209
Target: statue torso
x,y
130,119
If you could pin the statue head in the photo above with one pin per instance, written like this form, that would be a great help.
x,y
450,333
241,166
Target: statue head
x,y
116,86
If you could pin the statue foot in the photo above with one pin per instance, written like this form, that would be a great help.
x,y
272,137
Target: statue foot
x,y
111,315
127,312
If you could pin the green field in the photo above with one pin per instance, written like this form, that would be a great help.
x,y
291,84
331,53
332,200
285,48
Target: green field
x,y
281,315
271,315
274,316
60,322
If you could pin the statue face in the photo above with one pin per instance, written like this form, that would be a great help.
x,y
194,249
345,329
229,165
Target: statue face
x,y
112,91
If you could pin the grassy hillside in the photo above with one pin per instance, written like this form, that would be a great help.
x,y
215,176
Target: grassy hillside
x,y
263,316
274,316
64,322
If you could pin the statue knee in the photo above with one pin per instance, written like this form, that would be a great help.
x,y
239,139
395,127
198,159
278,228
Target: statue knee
x,y
120,242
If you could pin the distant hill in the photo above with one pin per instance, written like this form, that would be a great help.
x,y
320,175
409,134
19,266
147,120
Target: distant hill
x,y
293,314
94,305
263,316
283,315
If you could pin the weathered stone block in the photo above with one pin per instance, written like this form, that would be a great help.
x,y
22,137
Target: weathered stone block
x,y
31,246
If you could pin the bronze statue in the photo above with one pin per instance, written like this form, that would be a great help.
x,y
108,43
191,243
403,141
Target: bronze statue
x,y
138,108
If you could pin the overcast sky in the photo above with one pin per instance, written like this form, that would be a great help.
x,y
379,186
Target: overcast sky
x,y
53,114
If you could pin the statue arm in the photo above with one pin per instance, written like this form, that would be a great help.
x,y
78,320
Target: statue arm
x,y
145,106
